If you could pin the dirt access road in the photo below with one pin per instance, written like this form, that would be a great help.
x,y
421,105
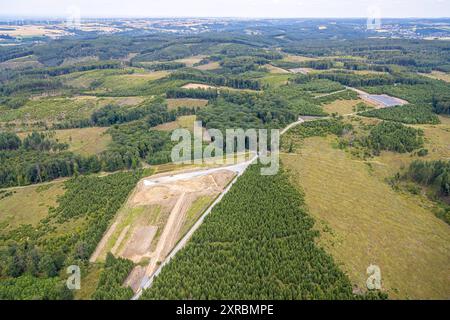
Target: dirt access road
x,y
238,169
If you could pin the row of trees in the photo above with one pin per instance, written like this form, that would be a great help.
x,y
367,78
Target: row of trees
x,y
412,114
178,93
61,70
354,80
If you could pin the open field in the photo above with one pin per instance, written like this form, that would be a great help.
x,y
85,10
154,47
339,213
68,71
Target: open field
x,y
53,109
341,107
28,205
363,222
296,58
20,63
186,102
132,81
437,142
33,31
438,75
155,218
85,141
207,86
186,122
273,69
364,72
90,281
276,80
84,79
190,61
198,86
112,79
209,66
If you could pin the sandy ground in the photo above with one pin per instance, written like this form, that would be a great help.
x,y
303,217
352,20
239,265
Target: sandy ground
x,y
301,70
149,235
197,86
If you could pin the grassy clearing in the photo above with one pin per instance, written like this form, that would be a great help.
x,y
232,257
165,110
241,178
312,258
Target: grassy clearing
x,y
84,79
190,103
341,107
85,141
437,143
190,61
194,213
363,221
130,81
365,72
89,282
113,79
273,69
186,122
53,109
20,63
28,205
296,58
276,80
438,75
209,66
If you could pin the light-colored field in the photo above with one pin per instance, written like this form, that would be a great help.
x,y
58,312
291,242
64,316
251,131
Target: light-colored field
x,y
84,79
438,75
207,86
58,109
190,103
89,282
156,216
198,86
296,58
113,79
437,142
209,66
84,141
341,107
273,69
33,31
364,72
28,205
21,63
186,122
130,81
190,61
276,80
52,109
72,61
301,70
363,221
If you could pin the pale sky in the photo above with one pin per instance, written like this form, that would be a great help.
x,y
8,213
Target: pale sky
x,y
227,8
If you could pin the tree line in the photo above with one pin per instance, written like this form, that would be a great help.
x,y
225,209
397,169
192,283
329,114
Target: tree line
x,y
217,80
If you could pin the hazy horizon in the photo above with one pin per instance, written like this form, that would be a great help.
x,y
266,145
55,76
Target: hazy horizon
x,y
241,9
